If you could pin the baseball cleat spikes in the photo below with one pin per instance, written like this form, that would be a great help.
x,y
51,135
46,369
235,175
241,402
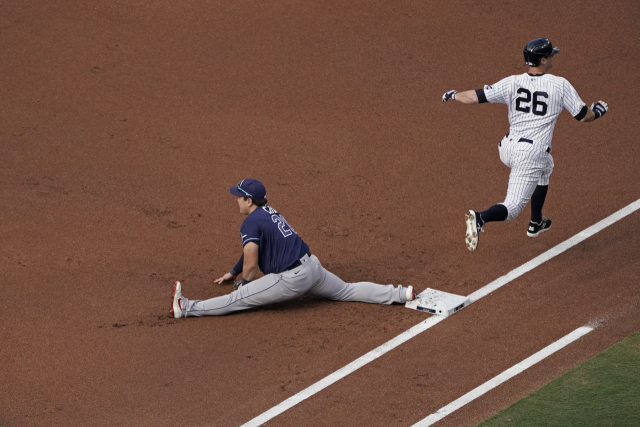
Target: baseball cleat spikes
x,y
473,228
535,229
176,308
410,293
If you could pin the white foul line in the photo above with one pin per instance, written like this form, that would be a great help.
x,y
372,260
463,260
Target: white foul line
x,y
506,375
556,250
431,321
344,371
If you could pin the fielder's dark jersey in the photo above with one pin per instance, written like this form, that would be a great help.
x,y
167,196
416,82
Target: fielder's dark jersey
x,y
280,246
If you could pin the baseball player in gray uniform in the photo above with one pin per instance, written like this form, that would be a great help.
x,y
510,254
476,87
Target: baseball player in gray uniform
x,y
535,99
290,270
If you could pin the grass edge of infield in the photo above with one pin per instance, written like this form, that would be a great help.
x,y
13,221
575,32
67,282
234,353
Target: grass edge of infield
x,y
601,391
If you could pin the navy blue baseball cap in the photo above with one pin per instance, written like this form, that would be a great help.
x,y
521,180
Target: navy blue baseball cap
x,y
251,188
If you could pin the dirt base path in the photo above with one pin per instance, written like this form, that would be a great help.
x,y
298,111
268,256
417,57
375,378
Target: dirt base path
x,y
124,124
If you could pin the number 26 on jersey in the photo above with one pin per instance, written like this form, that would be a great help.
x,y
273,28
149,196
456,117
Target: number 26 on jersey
x,y
537,107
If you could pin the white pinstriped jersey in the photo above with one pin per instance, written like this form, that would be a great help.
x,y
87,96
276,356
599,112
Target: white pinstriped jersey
x,y
534,103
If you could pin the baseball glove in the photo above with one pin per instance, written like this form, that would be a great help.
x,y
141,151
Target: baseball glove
x,y
239,284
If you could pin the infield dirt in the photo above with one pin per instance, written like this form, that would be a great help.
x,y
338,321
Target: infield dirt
x,y
125,123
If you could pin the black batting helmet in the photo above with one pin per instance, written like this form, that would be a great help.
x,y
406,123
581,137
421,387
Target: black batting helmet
x,y
537,49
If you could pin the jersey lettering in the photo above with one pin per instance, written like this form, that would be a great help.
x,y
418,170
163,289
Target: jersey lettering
x,y
525,96
283,225
268,209
539,106
537,102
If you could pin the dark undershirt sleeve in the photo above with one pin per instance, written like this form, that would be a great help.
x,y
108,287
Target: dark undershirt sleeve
x,y
581,114
237,269
481,97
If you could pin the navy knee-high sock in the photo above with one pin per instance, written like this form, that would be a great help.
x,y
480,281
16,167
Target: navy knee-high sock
x,y
537,201
494,213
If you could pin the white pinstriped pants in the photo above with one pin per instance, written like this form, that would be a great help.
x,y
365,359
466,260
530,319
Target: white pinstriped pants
x,y
531,165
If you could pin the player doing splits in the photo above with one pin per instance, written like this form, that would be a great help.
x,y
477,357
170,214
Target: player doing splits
x,y
535,99
290,270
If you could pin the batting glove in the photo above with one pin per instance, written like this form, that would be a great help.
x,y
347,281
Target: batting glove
x,y
449,95
599,108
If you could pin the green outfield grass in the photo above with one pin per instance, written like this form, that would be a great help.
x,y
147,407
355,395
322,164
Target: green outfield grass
x,y
603,391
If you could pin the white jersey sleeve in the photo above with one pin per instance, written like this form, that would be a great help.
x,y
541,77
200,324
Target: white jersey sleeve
x,y
571,100
499,92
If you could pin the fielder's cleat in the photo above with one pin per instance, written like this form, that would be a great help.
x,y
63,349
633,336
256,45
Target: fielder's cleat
x,y
473,228
535,229
176,309
410,293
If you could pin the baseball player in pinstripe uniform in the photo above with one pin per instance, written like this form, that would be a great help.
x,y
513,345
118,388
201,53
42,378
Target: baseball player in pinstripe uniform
x,y
271,245
535,99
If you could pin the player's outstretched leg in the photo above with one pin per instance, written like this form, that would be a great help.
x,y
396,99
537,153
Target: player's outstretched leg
x,y
474,227
536,228
334,288
268,289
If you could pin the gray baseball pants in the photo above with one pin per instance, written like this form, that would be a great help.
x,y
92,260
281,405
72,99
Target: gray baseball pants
x,y
311,277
